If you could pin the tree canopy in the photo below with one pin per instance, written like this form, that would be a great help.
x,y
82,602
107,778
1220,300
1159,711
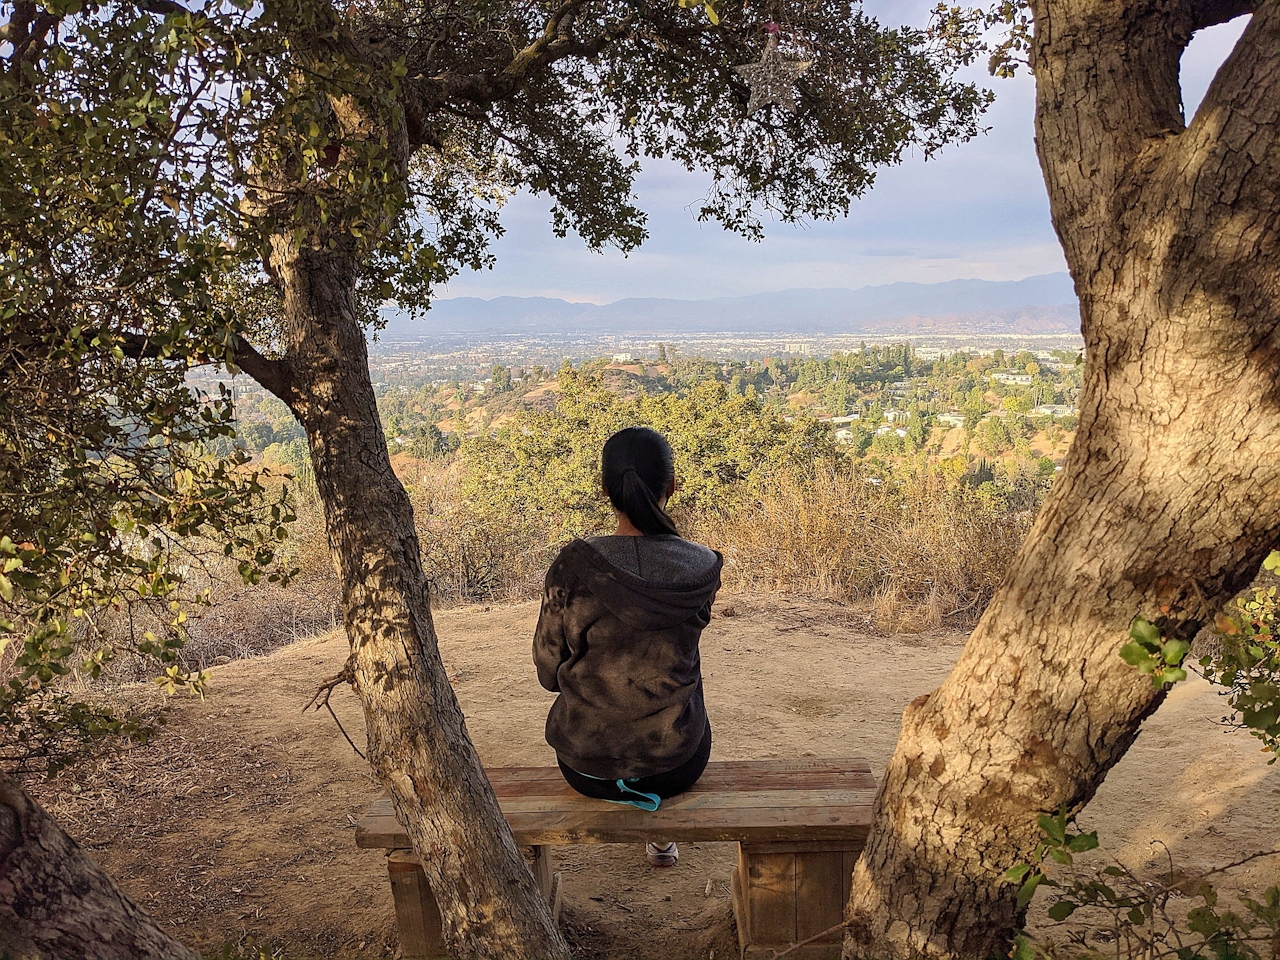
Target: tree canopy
x,y
114,267
245,184
155,151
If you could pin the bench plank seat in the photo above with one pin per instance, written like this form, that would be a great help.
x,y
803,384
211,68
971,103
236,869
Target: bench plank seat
x,y
755,801
799,824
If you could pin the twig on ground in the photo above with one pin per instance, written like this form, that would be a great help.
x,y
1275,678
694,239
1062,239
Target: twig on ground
x,y
321,698
817,936
966,608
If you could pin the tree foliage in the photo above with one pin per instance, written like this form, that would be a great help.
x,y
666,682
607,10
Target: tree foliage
x,y
595,85
1127,915
548,463
114,259
1246,660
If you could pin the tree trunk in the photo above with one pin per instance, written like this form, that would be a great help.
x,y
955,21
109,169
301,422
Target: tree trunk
x,y
1169,498
418,742
57,904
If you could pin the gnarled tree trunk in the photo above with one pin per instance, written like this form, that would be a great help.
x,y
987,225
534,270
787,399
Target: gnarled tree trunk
x,y
57,904
418,742
1170,496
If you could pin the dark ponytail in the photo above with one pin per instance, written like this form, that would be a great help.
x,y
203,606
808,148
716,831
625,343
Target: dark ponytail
x,y
637,472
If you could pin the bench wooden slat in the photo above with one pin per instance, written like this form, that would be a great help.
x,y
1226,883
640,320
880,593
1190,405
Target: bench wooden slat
x,y
747,801
779,827
555,790
766,825
720,769
726,802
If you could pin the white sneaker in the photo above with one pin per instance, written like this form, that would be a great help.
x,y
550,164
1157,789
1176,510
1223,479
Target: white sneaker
x,y
662,854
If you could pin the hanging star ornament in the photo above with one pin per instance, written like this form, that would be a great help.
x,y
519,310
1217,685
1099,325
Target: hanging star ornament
x,y
773,79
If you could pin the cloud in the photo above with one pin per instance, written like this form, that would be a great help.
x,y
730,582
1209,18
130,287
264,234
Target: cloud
x,y
978,210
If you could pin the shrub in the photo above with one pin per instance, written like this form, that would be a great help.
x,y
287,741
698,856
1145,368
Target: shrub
x,y
918,550
1246,660
1179,917
1121,914
544,467
472,548
788,508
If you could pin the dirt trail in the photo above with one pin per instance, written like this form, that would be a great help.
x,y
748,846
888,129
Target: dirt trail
x,y
236,821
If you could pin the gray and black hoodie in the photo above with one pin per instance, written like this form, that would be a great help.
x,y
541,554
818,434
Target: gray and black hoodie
x,y
617,638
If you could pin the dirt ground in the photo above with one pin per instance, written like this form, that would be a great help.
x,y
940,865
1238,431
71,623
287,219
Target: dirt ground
x,y
235,824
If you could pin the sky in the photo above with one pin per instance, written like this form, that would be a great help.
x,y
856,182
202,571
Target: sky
x,y
977,211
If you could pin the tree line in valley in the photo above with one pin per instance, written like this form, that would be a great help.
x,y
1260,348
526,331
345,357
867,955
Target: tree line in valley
x,y
883,405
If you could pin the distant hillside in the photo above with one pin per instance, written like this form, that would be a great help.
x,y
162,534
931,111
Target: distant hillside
x,y
1043,304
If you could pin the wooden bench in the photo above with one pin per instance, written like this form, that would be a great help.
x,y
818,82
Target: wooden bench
x,y
799,826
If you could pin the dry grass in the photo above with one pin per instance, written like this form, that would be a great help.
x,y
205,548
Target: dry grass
x,y
470,553
908,556
915,555
252,621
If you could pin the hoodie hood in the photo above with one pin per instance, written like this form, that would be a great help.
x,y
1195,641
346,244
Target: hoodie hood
x,y
637,602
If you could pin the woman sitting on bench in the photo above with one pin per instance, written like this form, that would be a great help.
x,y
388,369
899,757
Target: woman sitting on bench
x,y
617,638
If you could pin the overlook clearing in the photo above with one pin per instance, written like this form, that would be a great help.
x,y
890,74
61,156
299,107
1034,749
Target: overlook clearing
x,y
245,186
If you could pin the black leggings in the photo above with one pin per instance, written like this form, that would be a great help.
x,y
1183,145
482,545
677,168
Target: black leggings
x,y
662,784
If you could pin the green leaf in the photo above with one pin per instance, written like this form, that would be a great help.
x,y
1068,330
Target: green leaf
x,y
1061,910
1028,889
1083,842
1054,827
1175,651
1136,655
1146,633
1272,563
1023,949
1204,921
1015,874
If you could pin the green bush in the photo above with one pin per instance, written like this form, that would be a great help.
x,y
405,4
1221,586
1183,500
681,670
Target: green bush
x,y
1246,660
790,509
546,465
1175,916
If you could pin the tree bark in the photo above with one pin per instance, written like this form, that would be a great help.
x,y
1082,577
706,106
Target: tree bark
x,y
418,741
57,904
1169,498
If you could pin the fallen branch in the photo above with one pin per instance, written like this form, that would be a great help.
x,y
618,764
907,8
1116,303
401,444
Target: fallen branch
x,y
817,936
321,698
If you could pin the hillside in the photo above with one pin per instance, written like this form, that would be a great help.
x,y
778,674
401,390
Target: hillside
x,y
235,822
1043,304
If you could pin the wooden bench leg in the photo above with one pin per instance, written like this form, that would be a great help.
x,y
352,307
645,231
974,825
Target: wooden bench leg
x,y
539,859
417,915
785,893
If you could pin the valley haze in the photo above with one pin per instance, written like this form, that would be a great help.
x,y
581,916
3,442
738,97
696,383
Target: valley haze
x,y
1043,304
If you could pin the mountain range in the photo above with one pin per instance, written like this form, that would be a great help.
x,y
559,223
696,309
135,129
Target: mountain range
x,y
1041,304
